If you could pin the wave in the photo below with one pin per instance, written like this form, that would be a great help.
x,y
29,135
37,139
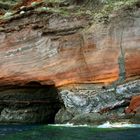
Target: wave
x,y
118,125
105,125
69,125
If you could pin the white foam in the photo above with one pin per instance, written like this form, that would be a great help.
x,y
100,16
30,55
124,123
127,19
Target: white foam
x,y
69,125
118,125
105,125
65,125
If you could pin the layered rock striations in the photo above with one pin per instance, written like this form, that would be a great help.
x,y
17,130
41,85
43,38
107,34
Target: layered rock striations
x,y
94,65
95,104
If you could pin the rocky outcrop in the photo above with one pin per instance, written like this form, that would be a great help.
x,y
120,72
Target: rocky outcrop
x,y
94,65
134,106
102,104
134,109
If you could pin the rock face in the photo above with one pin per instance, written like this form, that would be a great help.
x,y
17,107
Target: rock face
x,y
55,50
101,104
95,66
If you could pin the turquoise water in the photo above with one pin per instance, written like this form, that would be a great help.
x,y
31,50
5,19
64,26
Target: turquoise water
x,y
44,132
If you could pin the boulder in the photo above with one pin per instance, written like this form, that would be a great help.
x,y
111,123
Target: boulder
x,y
134,106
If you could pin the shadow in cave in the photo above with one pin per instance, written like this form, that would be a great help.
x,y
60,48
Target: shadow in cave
x,y
31,103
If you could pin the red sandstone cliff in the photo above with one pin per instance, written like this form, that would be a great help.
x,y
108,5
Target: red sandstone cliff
x,y
54,49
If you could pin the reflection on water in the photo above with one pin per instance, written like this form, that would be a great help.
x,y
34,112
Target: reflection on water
x,y
67,132
11,129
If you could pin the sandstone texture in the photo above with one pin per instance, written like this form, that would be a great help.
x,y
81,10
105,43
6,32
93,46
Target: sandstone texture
x,y
53,49
94,66
134,106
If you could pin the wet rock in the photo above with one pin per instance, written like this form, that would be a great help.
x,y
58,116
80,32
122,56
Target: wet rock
x,y
89,118
135,119
28,115
63,116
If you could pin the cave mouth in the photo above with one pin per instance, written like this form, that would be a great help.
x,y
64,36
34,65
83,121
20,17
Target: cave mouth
x,y
28,104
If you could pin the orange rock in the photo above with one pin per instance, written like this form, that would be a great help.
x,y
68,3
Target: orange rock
x,y
59,52
134,105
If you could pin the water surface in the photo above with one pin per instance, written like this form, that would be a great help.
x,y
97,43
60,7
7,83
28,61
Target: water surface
x,y
45,132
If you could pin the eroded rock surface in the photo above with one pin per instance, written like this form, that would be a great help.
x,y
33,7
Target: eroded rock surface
x,y
103,104
54,49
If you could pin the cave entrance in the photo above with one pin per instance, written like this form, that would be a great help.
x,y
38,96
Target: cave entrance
x,y
32,103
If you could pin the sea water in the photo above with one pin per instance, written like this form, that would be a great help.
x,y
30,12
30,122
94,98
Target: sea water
x,y
105,131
